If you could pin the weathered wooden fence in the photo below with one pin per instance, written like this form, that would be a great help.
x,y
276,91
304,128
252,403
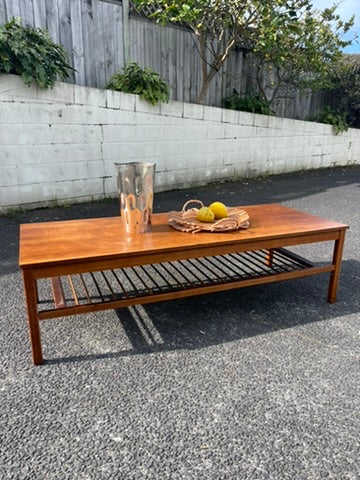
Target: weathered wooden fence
x,y
101,35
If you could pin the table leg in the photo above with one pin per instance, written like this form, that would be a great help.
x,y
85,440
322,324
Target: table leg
x,y
33,319
335,274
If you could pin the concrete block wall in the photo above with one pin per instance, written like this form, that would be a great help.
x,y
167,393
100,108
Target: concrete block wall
x,y
60,145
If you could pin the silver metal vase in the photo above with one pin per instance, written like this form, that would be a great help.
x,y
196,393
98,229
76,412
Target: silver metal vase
x,y
136,191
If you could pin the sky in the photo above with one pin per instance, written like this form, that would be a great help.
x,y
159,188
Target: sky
x,y
346,8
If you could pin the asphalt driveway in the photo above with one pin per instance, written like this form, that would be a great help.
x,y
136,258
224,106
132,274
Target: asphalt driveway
x,y
260,383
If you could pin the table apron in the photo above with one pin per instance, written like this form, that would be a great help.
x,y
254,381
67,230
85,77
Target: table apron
x,y
55,270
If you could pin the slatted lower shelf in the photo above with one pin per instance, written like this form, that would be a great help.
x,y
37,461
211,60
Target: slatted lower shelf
x,y
94,290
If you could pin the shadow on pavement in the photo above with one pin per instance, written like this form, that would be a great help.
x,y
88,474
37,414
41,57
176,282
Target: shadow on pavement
x,y
199,322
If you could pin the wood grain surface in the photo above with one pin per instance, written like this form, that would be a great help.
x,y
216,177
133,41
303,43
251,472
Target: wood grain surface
x,y
48,243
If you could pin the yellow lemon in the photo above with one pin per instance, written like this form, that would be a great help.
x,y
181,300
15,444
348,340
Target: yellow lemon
x,y
219,210
205,215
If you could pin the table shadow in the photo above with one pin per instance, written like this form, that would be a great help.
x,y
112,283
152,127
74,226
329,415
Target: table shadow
x,y
213,319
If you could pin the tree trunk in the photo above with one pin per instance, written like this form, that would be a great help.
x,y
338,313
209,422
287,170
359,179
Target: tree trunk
x,y
205,86
215,66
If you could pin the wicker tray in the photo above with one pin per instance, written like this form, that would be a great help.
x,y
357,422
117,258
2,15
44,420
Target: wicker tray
x,y
186,220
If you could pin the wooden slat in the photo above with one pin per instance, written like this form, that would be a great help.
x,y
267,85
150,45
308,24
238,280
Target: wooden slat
x,y
65,32
73,290
217,263
47,314
129,279
137,275
180,64
108,40
171,45
58,292
39,13
148,38
77,42
146,272
205,268
132,46
123,289
194,64
245,261
85,288
27,13
87,25
13,8
108,285
3,12
236,260
161,275
187,68
139,41
52,20
190,271
97,286
167,267
156,45
97,43
116,28
295,257
260,265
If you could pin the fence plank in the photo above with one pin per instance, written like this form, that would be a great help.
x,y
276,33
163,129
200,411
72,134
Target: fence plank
x,y
52,20
27,13
65,32
3,13
77,42
164,55
180,64
148,51
92,33
118,40
156,46
187,67
194,84
13,8
108,40
98,44
87,16
172,61
39,8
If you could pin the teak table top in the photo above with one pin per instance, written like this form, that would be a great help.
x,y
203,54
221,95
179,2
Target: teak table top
x,y
62,242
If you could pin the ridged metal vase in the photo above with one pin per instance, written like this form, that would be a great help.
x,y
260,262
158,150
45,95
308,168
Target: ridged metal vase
x,y
136,191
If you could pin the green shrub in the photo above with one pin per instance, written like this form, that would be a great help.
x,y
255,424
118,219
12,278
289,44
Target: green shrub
x,y
31,53
346,89
145,83
332,117
249,103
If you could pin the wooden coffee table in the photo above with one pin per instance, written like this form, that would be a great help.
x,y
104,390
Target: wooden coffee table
x,y
81,266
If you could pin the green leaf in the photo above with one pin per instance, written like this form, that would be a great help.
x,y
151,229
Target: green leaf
x,y
32,54
143,82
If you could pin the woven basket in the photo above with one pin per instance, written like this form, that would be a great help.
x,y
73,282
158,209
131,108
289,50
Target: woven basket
x,y
186,220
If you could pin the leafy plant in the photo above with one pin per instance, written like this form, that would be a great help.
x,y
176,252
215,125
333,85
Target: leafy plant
x,y
31,53
143,82
294,40
345,90
332,117
249,103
